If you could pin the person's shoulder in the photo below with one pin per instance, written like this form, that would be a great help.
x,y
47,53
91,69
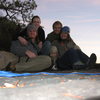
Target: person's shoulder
x,y
40,29
50,34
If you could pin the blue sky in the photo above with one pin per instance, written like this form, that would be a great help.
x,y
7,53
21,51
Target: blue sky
x,y
82,16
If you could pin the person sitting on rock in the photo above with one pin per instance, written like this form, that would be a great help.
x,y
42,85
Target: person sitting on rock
x,y
67,55
35,56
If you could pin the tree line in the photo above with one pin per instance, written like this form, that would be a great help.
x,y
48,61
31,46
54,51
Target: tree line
x,y
14,14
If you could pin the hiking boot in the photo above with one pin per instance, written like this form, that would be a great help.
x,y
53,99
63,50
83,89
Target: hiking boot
x,y
92,61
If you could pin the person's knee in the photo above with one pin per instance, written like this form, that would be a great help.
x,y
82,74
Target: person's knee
x,y
47,43
43,58
46,58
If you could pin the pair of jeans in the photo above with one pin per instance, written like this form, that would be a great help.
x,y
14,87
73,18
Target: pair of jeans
x,y
45,50
71,56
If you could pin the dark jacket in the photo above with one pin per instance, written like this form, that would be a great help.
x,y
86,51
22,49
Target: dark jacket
x,y
41,34
65,47
52,37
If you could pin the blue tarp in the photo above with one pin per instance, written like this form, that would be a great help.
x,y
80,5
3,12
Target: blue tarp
x,y
11,74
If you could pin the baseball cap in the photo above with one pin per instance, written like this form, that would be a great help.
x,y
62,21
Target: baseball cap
x,y
65,29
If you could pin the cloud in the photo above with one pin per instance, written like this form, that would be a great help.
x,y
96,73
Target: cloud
x,y
1,13
64,6
94,2
57,1
47,24
54,3
96,42
74,16
89,20
71,1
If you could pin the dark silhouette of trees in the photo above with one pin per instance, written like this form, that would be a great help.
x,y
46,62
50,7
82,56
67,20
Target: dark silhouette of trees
x,y
8,30
18,10
13,15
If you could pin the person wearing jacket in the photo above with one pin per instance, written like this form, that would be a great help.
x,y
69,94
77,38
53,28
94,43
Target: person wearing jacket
x,y
40,32
33,56
68,53
54,35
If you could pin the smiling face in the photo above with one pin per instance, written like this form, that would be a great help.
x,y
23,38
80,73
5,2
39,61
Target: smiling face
x,y
32,34
36,21
32,31
64,36
57,28
57,25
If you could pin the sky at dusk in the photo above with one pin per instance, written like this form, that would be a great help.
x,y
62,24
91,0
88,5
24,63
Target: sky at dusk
x,y
82,16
